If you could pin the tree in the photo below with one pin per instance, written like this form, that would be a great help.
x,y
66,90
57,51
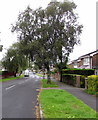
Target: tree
x,y
14,61
49,34
64,29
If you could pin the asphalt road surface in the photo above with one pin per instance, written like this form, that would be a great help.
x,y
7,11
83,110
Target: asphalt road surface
x,y
19,97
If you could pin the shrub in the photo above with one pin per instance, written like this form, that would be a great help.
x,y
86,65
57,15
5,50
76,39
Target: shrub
x,y
82,81
85,72
0,72
69,79
93,83
52,72
6,74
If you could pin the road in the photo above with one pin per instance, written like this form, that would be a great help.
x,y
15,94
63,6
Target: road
x,y
19,97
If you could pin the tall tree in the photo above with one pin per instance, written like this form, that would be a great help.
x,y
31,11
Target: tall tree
x,y
49,35
14,61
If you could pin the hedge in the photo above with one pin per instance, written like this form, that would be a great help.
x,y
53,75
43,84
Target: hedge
x,y
85,72
93,83
82,81
0,72
6,74
71,79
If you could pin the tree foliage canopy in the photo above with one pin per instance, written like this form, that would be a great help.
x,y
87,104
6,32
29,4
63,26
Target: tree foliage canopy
x,y
49,35
14,60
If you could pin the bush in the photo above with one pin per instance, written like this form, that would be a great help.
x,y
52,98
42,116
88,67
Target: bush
x,y
82,81
54,71
69,79
93,83
0,72
6,74
85,72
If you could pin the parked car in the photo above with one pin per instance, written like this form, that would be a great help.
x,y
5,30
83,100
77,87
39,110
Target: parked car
x,y
34,72
26,73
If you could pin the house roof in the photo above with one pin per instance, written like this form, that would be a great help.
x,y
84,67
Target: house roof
x,y
96,51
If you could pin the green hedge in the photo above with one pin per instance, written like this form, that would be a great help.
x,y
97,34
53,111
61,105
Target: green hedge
x,y
52,72
0,72
7,74
82,81
85,72
71,79
93,83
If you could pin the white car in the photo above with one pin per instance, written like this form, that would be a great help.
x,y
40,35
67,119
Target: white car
x,y
26,73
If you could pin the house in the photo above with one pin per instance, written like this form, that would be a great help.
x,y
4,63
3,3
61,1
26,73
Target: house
x,y
87,61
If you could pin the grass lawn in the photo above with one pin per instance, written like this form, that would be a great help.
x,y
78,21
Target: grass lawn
x,y
39,74
11,78
91,92
61,104
45,85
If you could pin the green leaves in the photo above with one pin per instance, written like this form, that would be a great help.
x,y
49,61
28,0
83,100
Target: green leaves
x,y
14,60
48,35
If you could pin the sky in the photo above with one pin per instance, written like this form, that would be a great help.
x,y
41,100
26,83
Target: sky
x,y
86,9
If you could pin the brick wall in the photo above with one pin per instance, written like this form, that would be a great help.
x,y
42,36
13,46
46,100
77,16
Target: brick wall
x,y
77,81
95,61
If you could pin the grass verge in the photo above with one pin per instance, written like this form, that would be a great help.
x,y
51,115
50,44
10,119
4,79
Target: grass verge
x,y
39,74
11,78
91,92
45,85
61,104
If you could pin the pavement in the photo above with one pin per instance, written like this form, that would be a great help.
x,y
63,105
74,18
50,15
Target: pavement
x,y
19,97
90,100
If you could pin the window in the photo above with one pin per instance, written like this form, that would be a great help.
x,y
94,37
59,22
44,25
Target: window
x,y
86,61
75,65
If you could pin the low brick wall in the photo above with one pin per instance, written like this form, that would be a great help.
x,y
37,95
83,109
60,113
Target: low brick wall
x,y
77,81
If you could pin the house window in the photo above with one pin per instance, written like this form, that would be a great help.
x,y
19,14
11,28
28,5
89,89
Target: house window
x,y
75,65
96,72
86,61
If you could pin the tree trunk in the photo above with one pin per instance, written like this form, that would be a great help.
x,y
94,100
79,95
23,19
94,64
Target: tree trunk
x,y
15,74
61,70
60,75
48,76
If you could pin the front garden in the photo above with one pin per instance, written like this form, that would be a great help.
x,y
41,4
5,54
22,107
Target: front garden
x,y
83,78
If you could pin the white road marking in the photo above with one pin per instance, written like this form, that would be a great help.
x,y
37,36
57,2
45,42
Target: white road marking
x,y
10,87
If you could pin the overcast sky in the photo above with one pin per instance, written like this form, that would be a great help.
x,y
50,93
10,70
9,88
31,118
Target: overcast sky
x,y
86,9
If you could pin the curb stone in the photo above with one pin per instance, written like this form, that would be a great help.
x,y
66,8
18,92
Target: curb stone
x,y
41,113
